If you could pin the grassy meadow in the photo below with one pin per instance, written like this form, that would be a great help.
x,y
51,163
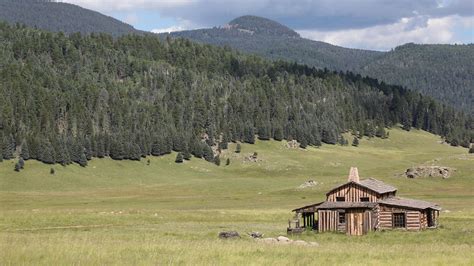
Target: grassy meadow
x,y
132,213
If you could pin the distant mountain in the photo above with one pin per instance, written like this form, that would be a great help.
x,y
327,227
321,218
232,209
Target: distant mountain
x,y
445,72
55,16
275,41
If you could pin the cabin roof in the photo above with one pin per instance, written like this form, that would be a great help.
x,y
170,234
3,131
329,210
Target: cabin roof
x,y
345,205
410,203
370,183
335,205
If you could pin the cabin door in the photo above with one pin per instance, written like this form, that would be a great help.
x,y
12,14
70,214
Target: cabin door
x,y
355,222
429,216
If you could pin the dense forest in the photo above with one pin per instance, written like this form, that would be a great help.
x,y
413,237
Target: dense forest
x,y
56,16
69,98
445,72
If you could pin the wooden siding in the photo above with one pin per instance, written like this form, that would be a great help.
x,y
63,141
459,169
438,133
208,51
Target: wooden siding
x,y
358,222
327,220
352,193
413,218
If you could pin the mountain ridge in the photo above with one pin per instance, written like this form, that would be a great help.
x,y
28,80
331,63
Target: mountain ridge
x,y
61,17
443,71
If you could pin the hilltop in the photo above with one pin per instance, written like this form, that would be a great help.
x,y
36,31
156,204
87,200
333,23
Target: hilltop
x,y
61,17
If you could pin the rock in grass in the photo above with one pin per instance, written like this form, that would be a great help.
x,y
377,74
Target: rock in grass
x,y
283,239
269,240
300,242
229,235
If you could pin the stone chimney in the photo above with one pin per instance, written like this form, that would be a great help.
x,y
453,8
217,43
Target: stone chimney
x,y
353,175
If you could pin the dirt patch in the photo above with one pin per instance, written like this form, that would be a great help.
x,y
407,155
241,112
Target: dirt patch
x,y
308,184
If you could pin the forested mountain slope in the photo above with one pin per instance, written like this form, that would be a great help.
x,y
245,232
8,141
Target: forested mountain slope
x,y
445,72
67,98
275,41
56,16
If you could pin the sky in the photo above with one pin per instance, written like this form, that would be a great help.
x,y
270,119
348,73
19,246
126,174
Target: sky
x,y
365,24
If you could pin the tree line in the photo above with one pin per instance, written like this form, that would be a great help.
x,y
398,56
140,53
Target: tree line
x,y
69,98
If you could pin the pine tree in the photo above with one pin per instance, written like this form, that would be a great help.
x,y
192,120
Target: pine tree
x,y
303,143
25,152
17,167
179,158
46,152
227,162
187,155
342,140
355,142
21,162
380,133
52,171
238,148
82,160
207,152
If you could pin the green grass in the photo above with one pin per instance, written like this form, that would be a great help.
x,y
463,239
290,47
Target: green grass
x,y
122,212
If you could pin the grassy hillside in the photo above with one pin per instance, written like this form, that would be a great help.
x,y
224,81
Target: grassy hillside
x,y
123,212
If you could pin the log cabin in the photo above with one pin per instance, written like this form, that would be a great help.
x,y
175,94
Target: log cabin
x,y
359,206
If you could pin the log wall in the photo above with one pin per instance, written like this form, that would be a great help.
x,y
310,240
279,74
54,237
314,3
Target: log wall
x,y
353,193
413,218
327,220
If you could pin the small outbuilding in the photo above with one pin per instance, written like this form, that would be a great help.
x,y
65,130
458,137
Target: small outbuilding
x,y
359,206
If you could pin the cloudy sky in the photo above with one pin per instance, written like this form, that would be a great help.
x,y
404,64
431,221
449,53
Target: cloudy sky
x,y
367,24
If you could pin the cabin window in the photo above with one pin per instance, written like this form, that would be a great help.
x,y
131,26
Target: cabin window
x,y
342,218
340,199
399,220
364,199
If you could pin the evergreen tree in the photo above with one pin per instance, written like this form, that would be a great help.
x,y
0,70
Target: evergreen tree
x,y
179,158
52,171
227,162
21,163
207,152
82,160
17,167
303,143
237,148
25,152
46,154
187,155
355,142
217,161
380,133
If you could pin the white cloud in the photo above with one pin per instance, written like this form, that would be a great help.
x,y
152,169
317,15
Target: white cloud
x,y
120,5
168,30
383,37
131,18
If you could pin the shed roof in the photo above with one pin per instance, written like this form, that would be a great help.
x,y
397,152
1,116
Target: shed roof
x,y
410,203
335,205
370,183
